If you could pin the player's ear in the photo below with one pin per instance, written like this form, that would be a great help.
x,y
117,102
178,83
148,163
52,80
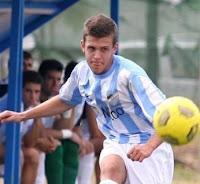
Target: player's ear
x,y
115,47
82,44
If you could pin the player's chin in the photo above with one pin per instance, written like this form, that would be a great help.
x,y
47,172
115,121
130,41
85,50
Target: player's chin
x,y
97,70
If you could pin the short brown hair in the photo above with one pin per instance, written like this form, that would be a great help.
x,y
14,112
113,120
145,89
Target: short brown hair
x,y
50,65
100,26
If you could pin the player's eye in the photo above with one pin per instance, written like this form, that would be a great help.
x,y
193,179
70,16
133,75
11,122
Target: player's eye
x,y
91,49
104,49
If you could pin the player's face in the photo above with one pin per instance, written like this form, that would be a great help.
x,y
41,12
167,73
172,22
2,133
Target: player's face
x,y
52,82
28,65
31,94
99,52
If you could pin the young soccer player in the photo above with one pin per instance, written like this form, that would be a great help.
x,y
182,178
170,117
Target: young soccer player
x,y
124,99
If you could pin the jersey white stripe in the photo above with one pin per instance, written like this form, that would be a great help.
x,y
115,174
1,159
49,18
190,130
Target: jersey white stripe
x,y
124,99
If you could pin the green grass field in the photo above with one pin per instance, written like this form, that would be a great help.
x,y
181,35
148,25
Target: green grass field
x,y
189,154
184,175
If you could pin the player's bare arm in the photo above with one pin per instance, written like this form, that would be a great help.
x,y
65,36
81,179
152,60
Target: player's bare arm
x,y
141,151
50,107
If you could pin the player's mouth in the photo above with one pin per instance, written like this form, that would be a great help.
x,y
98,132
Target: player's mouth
x,y
96,63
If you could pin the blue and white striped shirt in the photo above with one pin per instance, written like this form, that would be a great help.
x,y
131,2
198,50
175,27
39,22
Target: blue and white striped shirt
x,y
124,99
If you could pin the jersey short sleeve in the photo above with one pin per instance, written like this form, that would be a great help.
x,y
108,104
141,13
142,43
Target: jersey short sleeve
x,y
70,92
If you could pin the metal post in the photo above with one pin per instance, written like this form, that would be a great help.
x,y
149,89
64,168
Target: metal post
x,y
152,34
13,143
114,12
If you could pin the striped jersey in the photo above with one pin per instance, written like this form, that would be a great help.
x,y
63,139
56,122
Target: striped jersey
x,y
124,99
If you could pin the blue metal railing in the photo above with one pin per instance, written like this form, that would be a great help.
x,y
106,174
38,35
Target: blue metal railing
x,y
12,157
13,143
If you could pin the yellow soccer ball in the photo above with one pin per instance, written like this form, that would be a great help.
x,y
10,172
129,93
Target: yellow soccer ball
x,y
177,120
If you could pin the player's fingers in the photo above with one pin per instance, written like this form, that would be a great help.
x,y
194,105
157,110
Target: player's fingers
x,y
141,158
89,147
51,139
135,152
4,116
57,142
52,148
130,156
54,142
130,151
10,116
136,157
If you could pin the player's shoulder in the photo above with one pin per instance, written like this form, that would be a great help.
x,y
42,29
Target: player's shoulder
x,y
82,64
81,67
81,72
129,66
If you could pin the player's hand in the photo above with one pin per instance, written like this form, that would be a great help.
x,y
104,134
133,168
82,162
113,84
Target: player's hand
x,y
140,152
76,139
47,144
11,116
87,148
45,132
